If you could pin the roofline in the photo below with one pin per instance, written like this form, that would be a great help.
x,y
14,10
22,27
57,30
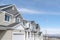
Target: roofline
x,y
6,7
6,12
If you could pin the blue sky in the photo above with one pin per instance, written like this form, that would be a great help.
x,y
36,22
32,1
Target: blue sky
x,y
44,12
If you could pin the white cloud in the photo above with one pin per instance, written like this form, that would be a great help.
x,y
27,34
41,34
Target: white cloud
x,y
51,30
24,10
30,11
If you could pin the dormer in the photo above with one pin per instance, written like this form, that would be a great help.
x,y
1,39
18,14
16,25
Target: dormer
x,y
32,26
37,27
26,24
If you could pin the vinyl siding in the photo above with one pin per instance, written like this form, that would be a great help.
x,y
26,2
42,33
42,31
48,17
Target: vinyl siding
x,y
2,19
6,35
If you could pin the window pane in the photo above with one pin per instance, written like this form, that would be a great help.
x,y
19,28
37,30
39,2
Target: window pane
x,y
7,17
17,20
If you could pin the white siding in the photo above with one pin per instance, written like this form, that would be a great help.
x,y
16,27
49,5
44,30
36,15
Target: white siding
x,y
18,36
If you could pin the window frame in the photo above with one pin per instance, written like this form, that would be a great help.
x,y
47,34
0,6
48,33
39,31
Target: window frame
x,y
7,17
17,20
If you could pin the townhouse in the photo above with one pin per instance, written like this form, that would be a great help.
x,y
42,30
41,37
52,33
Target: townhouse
x,y
14,27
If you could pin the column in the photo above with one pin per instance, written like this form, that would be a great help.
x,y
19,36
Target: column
x,y
24,35
27,35
33,36
30,35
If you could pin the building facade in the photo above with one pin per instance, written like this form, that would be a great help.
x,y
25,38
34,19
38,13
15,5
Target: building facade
x,y
14,27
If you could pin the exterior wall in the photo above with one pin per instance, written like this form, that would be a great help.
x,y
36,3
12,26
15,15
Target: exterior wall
x,y
41,37
6,35
28,36
32,27
11,20
18,33
2,19
27,25
37,37
20,20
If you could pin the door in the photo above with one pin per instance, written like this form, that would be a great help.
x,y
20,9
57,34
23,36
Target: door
x,y
17,36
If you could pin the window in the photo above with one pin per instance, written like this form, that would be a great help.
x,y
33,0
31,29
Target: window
x,y
23,23
17,20
7,17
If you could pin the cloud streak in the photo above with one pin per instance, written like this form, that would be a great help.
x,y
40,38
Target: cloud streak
x,y
24,10
30,11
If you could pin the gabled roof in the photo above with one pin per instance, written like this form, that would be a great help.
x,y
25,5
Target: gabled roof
x,y
10,9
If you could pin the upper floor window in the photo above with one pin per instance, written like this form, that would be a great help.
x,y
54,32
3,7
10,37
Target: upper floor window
x,y
7,17
17,20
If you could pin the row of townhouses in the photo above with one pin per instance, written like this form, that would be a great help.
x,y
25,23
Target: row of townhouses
x,y
14,27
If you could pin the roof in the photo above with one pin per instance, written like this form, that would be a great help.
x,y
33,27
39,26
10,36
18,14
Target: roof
x,y
19,15
11,25
1,6
10,9
32,21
